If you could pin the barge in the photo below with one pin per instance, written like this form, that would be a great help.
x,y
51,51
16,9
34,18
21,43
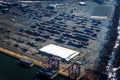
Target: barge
x,y
25,63
46,73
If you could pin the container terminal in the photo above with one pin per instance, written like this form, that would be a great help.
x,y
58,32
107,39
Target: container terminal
x,y
72,38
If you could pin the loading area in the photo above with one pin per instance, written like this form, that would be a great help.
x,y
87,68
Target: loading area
x,y
61,38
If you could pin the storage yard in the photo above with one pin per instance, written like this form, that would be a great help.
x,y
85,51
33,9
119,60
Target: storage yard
x,y
67,37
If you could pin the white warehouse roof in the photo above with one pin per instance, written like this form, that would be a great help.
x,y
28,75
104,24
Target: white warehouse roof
x,y
82,3
59,51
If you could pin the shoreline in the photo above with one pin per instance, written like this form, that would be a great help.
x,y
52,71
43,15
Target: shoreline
x,y
34,61
25,43
20,56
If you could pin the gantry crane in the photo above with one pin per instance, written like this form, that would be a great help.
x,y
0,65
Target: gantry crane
x,y
73,71
52,63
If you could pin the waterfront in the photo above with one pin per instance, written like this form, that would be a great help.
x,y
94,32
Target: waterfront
x,y
10,70
86,37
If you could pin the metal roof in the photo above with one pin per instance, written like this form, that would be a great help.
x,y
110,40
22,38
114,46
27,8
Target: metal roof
x,y
59,51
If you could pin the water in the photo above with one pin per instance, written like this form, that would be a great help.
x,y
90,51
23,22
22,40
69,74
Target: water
x,y
10,70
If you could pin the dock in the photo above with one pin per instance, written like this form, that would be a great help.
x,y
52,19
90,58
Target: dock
x,y
65,38
20,56
34,61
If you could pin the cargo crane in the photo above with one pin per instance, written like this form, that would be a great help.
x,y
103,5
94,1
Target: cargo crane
x,y
49,69
73,71
52,63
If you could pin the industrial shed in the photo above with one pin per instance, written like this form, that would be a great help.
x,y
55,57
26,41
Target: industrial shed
x,y
61,52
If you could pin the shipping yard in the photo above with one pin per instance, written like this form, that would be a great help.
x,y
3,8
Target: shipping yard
x,y
70,38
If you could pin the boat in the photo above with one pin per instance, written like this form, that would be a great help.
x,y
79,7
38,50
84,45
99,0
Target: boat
x,y
25,63
46,73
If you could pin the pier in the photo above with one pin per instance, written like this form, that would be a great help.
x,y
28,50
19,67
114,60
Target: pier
x,y
20,56
67,39
38,63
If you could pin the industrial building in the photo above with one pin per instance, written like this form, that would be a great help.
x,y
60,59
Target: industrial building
x,y
61,52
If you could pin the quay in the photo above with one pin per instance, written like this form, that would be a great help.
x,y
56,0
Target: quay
x,y
34,61
20,56
69,38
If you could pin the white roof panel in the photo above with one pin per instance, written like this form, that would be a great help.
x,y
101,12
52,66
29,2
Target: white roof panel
x,y
59,51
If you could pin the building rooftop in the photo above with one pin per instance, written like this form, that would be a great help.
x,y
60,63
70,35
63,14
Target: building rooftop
x,y
59,51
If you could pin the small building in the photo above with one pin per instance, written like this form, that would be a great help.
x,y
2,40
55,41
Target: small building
x,y
51,6
58,51
82,3
23,5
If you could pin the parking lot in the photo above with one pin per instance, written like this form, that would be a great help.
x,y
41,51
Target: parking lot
x,y
69,25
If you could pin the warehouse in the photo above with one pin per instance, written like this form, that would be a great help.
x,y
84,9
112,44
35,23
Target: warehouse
x,y
61,52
